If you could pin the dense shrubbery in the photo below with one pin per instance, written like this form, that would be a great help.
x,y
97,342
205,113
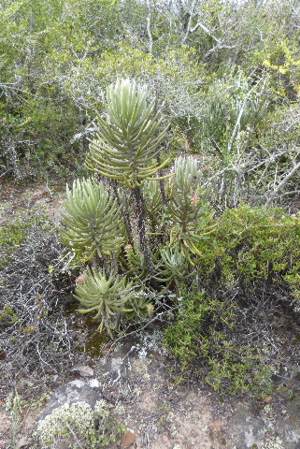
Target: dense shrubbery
x,y
251,247
202,340
252,256
171,243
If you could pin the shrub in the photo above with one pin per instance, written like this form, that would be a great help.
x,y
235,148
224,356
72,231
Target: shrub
x,y
202,340
34,292
250,247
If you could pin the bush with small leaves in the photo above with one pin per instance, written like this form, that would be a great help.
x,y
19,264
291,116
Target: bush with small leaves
x,y
251,248
202,340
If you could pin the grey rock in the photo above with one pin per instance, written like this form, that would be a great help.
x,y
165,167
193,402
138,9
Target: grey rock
x,y
83,371
22,443
78,390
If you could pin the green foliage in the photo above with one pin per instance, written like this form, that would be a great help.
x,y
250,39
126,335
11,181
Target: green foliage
x,y
128,142
110,299
8,316
153,202
201,338
12,235
226,77
92,225
173,267
232,104
252,246
134,261
188,210
52,78
248,251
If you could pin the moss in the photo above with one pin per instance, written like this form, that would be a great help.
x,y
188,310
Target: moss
x,y
8,316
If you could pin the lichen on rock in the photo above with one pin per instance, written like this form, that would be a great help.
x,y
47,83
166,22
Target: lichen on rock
x,y
80,425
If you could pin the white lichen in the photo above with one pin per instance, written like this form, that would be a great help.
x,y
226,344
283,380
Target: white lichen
x,y
273,443
68,420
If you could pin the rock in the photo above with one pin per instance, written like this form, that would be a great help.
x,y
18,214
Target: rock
x,y
216,431
22,443
78,390
83,371
128,440
78,406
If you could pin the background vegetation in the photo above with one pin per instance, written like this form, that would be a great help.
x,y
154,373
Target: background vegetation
x,y
227,74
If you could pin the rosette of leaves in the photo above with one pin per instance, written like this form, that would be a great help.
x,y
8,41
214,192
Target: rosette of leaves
x,y
128,140
110,299
92,226
187,208
173,266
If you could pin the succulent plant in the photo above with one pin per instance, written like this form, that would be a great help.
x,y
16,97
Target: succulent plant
x,y
92,224
187,208
110,299
128,141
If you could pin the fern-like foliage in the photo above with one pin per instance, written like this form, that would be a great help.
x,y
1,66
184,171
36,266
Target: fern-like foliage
x,y
128,141
110,299
91,221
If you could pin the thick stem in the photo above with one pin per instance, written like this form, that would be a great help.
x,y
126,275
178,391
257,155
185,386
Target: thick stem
x,y
139,199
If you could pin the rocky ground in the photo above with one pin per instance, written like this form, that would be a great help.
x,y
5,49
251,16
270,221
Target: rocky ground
x,y
135,381
136,384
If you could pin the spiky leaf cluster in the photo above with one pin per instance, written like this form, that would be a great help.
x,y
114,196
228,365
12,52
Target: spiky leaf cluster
x,y
109,298
173,266
128,141
186,204
91,220
153,200
134,260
